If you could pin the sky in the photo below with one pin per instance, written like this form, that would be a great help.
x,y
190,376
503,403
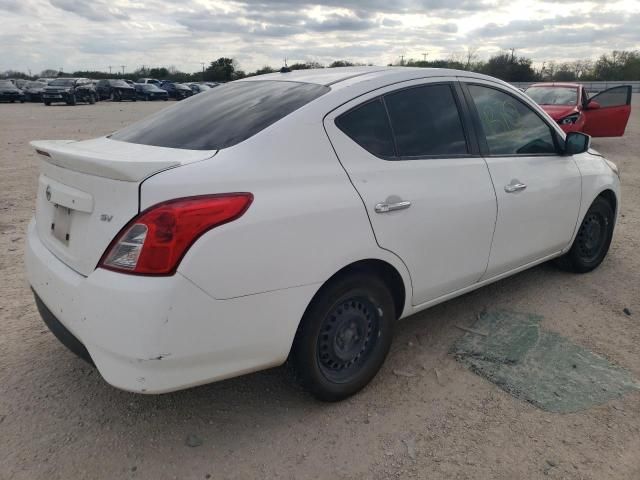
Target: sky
x,y
96,34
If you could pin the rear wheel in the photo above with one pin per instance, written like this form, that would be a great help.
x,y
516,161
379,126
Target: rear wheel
x,y
593,239
72,100
344,337
47,103
92,99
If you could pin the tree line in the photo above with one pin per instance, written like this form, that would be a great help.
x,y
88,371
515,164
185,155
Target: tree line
x,y
614,66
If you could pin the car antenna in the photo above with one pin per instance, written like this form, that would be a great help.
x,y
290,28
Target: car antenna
x,y
285,69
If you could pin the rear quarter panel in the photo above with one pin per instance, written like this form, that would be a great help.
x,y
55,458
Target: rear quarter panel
x,y
306,221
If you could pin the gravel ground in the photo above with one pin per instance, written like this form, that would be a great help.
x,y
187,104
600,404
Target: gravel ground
x,y
60,420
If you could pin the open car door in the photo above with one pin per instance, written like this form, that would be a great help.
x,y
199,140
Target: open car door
x,y
607,113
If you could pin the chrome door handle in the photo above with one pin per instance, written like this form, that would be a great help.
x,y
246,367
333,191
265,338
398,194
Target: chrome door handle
x,y
514,187
390,207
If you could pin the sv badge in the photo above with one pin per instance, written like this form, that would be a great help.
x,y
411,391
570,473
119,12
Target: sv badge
x,y
105,218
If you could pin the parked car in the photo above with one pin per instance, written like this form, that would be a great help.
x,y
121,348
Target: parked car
x,y
198,87
130,82
115,90
69,91
176,90
33,91
149,80
603,115
150,91
9,92
270,220
45,80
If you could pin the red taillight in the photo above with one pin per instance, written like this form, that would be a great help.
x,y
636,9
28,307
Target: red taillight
x,y
154,242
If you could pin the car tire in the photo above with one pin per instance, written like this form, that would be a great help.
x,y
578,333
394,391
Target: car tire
x,y
344,337
72,100
146,98
92,99
592,241
47,104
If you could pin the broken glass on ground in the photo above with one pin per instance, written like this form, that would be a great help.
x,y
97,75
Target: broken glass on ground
x,y
539,366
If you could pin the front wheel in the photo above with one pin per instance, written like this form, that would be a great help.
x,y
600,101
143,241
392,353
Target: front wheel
x,y
92,99
344,337
593,239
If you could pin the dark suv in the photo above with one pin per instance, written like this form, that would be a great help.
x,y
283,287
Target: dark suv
x,y
115,90
69,91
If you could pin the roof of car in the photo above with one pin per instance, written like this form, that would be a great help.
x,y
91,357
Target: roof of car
x,y
556,84
354,75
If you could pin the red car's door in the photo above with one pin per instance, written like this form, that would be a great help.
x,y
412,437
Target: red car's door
x,y
607,113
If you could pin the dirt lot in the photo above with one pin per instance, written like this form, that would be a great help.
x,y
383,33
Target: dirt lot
x,y
60,420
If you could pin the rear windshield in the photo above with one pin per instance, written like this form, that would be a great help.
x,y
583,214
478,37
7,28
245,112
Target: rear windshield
x,y
221,117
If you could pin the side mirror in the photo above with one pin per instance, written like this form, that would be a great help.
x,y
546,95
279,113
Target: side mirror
x,y
593,105
576,142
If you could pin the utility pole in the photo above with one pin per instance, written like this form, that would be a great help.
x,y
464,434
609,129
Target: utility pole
x,y
202,63
401,59
123,69
424,57
109,69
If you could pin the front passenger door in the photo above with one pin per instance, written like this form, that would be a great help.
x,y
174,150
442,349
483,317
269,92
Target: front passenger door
x,y
538,189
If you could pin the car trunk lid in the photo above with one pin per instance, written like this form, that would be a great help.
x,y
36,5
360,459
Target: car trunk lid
x,y
88,191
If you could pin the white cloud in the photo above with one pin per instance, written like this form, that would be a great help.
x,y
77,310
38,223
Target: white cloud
x,y
75,35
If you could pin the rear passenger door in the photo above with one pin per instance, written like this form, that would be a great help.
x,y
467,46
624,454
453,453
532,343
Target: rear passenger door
x,y
537,187
410,153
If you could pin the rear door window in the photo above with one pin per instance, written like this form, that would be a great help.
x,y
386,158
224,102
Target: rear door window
x,y
223,117
426,122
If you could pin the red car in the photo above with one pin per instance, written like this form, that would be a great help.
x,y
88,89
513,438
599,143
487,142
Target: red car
x,y
603,115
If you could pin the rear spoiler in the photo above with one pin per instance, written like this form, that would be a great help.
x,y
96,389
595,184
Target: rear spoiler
x,y
103,157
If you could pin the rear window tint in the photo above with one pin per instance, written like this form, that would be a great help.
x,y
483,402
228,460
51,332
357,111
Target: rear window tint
x,y
221,117
368,126
426,122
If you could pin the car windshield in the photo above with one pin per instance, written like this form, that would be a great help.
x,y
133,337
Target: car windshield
x,y
553,95
149,86
204,87
5,83
118,83
223,117
36,84
62,82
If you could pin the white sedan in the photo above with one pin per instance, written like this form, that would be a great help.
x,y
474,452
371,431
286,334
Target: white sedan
x,y
296,216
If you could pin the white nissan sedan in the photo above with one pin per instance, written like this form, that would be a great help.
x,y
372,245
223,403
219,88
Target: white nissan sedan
x,y
296,216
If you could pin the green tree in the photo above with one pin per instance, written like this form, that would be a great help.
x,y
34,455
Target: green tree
x,y
508,67
221,70
305,66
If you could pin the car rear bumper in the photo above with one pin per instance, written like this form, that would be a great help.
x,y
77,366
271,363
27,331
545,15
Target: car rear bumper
x,y
159,334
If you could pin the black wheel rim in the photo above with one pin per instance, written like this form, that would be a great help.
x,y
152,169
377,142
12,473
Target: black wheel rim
x,y
592,237
348,335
